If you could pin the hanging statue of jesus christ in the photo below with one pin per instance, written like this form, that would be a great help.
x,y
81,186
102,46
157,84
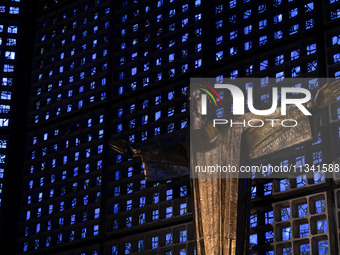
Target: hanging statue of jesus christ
x,y
216,199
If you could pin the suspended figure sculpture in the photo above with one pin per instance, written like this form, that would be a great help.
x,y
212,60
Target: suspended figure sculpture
x,y
216,199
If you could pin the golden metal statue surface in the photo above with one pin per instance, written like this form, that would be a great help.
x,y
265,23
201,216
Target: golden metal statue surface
x,y
216,199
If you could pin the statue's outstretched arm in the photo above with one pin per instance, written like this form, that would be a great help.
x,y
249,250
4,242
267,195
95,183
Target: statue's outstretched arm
x,y
326,95
268,139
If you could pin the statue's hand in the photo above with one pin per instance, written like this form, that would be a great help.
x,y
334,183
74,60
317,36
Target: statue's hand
x,y
326,95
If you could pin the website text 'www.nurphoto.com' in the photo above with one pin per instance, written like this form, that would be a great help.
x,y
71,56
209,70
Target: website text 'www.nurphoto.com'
x,y
306,168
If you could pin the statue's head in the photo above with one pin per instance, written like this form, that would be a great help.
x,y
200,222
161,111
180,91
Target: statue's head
x,y
198,121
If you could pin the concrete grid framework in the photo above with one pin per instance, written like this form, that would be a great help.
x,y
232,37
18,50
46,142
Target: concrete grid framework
x,y
120,69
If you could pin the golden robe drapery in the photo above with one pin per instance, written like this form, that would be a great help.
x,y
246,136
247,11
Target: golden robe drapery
x,y
216,198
